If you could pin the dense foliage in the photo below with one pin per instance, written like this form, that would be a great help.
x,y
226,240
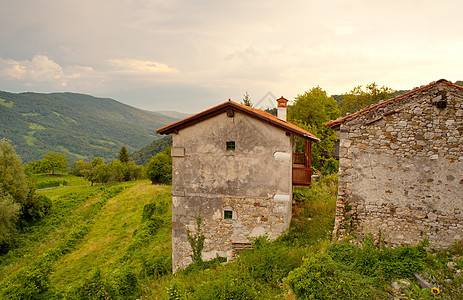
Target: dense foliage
x,y
358,98
311,111
20,205
143,156
99,172
159,169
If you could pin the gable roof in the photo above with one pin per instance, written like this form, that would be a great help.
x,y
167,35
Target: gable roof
x,y
355,115
249,111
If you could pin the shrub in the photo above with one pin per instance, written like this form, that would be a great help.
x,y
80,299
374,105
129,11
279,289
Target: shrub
x,y
270,262
28,283
50,183
35,207
330,166
320,277
388,263
159,265
121,285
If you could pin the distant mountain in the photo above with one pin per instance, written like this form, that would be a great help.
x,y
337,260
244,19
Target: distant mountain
x,y
143,156
78,125
174,114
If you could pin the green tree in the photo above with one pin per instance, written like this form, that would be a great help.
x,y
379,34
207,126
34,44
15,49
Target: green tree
x,y
80,168
94,170
102,173
17,194
159,169
54,162
123,155
12,177
247,100
9,213
310,111
358,98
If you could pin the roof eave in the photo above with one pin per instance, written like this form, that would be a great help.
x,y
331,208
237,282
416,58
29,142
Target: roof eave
x,y
222,108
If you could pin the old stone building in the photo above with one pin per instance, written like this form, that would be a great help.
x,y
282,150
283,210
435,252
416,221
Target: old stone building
x,y
401,168
234,167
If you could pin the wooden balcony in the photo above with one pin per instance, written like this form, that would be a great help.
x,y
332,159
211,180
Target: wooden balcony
x,y
302,168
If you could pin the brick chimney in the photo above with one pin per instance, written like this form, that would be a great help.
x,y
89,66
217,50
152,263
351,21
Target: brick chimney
x,y
282,104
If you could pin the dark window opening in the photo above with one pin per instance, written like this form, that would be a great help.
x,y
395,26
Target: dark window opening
x,y
228,214
231,146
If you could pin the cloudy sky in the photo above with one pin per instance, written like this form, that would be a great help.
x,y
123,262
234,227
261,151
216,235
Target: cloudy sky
x,y
189,55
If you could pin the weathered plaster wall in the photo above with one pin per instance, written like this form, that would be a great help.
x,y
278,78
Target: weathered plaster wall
x,y
401,170
251,181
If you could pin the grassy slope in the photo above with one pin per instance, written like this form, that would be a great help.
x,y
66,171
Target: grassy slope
x,y
105,243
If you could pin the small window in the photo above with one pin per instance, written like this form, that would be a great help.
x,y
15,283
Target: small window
x,y
227,214
231,146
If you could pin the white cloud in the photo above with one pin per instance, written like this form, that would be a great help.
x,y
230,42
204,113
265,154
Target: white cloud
x,y
140,66
40,70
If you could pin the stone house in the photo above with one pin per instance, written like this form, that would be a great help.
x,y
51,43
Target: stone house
x,y
401,168
234,166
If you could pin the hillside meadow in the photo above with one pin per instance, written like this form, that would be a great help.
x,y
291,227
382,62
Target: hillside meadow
x,y
114,242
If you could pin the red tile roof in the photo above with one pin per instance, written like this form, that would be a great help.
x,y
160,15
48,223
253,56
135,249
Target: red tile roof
x,y
355,115
252,112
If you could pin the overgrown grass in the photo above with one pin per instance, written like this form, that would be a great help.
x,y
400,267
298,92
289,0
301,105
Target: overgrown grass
x,y
94,243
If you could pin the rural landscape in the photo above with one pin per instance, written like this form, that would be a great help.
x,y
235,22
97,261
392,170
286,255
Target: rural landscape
x,y
86,213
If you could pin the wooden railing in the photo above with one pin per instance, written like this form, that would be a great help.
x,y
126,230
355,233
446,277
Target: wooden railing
x,y
302,169
302,176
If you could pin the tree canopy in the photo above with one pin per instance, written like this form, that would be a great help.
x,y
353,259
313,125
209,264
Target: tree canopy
x,y
311,111
54,162
358,98
18,199
123,155
159,169
12,178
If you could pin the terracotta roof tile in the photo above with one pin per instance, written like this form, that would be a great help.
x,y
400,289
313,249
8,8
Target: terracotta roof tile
x,y
252,112
350,117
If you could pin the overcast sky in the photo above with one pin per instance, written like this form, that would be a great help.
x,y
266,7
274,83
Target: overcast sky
x,y
190,55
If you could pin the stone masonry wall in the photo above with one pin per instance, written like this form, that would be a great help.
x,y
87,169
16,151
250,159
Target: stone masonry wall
x,y
251,181
401,170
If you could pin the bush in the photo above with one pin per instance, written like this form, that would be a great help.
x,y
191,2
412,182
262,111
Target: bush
x,y
320,277
50,183
330,166
35,208
387,263
28,283
270,262
158,265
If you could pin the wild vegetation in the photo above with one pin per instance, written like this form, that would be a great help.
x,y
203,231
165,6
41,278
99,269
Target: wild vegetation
x,y
114,242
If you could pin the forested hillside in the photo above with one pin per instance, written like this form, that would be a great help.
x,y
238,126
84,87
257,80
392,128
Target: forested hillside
x,y
78,125
143,156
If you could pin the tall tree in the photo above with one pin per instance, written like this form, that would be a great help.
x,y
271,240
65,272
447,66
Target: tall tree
x,y
358,98
12,178
159,169
54,162
123,155
311,110
247,100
